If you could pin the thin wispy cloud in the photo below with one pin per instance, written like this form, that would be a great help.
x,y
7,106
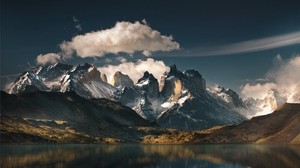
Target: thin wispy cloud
x,y
248,46
78,25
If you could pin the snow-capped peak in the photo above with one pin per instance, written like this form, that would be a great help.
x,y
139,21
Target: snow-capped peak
x,y
228,96
84,80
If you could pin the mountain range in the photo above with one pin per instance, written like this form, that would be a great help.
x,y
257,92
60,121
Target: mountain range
x,y
179,100
78,104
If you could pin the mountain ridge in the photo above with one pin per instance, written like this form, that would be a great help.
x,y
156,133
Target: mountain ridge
x,y
193,105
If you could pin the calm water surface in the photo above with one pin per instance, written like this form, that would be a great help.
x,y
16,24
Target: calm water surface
x,y
150,156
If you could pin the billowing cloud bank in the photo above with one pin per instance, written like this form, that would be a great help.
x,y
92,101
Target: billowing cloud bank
x,y
124,37
285,78
136,70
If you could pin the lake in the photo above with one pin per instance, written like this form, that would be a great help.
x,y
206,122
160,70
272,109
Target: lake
x,y
150,156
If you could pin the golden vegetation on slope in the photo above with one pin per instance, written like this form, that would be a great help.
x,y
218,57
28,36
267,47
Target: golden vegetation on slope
x,y
14,126
282,126
171,136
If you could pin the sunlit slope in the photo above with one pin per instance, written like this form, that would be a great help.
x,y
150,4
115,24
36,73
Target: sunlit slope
x,y
281,126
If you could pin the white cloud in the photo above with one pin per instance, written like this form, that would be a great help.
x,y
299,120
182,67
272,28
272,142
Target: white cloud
x,y
49,58
66,51
257,90
136,70
124,37
285,79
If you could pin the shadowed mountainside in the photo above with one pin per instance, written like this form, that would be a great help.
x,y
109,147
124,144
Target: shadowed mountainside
x,y
65,117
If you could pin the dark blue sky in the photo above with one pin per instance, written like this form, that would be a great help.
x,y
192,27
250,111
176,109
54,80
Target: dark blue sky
x,y
33,27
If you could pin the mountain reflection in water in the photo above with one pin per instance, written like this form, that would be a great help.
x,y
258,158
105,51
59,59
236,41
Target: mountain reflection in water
x,y
128,155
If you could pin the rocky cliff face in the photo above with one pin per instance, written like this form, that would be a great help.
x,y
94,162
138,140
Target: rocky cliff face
x,y
142,96
175,82
121,80
104,78
183,102
227,96
149,85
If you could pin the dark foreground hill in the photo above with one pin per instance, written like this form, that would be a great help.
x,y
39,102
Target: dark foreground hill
x,y
66,117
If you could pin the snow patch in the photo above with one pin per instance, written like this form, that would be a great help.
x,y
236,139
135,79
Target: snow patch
x,y
167,104
145,82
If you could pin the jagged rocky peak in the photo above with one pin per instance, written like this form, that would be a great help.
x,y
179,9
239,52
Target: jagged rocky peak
x,y
194,81
83,67
86,66
190,80
193,74
37,70
147,76
219,89
173,68
174,72
149,84
237,101
25,81
84,79
231,92
104,77
92,74
173,87
121,80
59,66
228,96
